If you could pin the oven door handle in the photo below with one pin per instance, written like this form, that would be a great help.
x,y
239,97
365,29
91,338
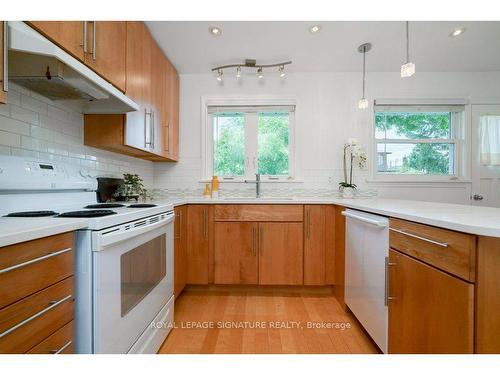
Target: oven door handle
x,y
111,238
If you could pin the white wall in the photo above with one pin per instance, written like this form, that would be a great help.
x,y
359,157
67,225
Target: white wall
x,y
326,115
34,126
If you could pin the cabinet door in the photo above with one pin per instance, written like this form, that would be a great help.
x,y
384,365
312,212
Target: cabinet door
x,y
319,244
235,253
180,256
3,98
138,86
198,243
173,114
107,42
69,35
280,253
429,311
158,99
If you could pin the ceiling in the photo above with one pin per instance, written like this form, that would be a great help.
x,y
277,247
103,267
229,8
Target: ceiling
x,y
192,49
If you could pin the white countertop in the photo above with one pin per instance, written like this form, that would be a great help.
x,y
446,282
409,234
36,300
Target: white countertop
x,y
469,219
14,230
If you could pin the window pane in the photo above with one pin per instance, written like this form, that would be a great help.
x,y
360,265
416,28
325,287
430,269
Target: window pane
x,y
420,158
229,144
416,125
272,141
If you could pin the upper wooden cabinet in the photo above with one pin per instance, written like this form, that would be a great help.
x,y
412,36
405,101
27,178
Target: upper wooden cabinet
x,y
3,98
145,133
107,42
69,35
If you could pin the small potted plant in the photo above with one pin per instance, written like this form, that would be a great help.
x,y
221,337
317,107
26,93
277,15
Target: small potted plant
x,y
132,188
351,152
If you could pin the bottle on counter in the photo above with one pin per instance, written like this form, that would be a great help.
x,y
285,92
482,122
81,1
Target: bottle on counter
x,y
206,193
215,187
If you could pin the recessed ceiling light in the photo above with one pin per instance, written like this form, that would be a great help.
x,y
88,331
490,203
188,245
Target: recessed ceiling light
x,y
215,31
458,31
314,29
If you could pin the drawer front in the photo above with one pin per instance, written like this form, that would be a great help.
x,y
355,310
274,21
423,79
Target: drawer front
x,y
257,212
60,342
450,251
34,265
28,322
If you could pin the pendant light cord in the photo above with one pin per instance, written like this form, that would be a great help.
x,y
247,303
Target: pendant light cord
x,y
407,41
364,71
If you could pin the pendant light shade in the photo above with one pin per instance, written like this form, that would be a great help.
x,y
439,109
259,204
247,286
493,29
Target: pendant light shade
x,y
408,68
364,48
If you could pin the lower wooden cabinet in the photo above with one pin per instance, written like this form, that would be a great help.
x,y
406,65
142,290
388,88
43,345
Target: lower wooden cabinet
x,y
180,246
280,254
430,311
236,253
198,244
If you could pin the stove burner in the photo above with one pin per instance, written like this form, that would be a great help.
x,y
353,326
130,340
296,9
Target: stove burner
x,y
142,205
105,205
88,213
32,214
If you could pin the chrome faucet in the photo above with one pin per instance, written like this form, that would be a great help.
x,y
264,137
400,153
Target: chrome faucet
x,y
257,184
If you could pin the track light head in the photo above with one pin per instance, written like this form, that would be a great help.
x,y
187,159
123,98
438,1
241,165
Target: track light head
x,y
260,74
281,69
219,75
238,72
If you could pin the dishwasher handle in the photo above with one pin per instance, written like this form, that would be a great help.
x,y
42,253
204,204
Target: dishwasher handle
x,y
378,223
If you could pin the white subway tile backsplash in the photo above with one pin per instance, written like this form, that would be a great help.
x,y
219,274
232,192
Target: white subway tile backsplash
x,y
36,127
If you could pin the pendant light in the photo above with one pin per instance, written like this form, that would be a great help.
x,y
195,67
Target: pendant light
x,y
408,68
364,48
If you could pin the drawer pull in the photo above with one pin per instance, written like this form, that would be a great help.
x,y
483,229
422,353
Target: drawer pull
x,y
36,260
442,244
61,349
52,305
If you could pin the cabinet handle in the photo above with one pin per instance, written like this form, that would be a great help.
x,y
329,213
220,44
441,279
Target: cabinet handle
x,y
442,244
147,129
36,260
153,129
85,36
52,304
254,250
5,56
61,349
261,238
387,298
205,223
94,52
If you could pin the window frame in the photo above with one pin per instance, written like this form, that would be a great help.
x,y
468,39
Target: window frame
x,y
459,138
251,134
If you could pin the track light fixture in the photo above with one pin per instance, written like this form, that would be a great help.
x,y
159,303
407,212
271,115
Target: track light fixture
x,y
364,48
251,64
408,68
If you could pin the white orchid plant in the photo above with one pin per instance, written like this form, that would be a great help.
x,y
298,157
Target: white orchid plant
x,y
352,154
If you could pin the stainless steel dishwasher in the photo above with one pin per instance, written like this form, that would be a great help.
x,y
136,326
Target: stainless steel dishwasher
x,y
366,257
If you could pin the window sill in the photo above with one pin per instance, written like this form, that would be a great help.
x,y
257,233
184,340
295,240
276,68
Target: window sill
x,y
417,182
262,181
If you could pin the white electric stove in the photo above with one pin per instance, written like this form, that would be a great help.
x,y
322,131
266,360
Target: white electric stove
x,y
124,258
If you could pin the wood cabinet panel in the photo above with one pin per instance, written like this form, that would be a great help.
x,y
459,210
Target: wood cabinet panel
x,y
488,296
429,311
198,244
60,342
280,253
3,98
69,35
32,332
138,83
457,258
256,212
236,253
319,247
31,277
180,245
107,42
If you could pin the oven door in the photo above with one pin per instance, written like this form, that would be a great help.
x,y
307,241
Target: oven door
x,y
132,280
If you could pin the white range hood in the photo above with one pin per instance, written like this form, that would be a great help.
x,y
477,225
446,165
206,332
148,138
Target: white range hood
x,y
39,65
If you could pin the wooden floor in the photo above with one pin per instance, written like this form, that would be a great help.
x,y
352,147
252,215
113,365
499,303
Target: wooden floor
x,y
263,320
